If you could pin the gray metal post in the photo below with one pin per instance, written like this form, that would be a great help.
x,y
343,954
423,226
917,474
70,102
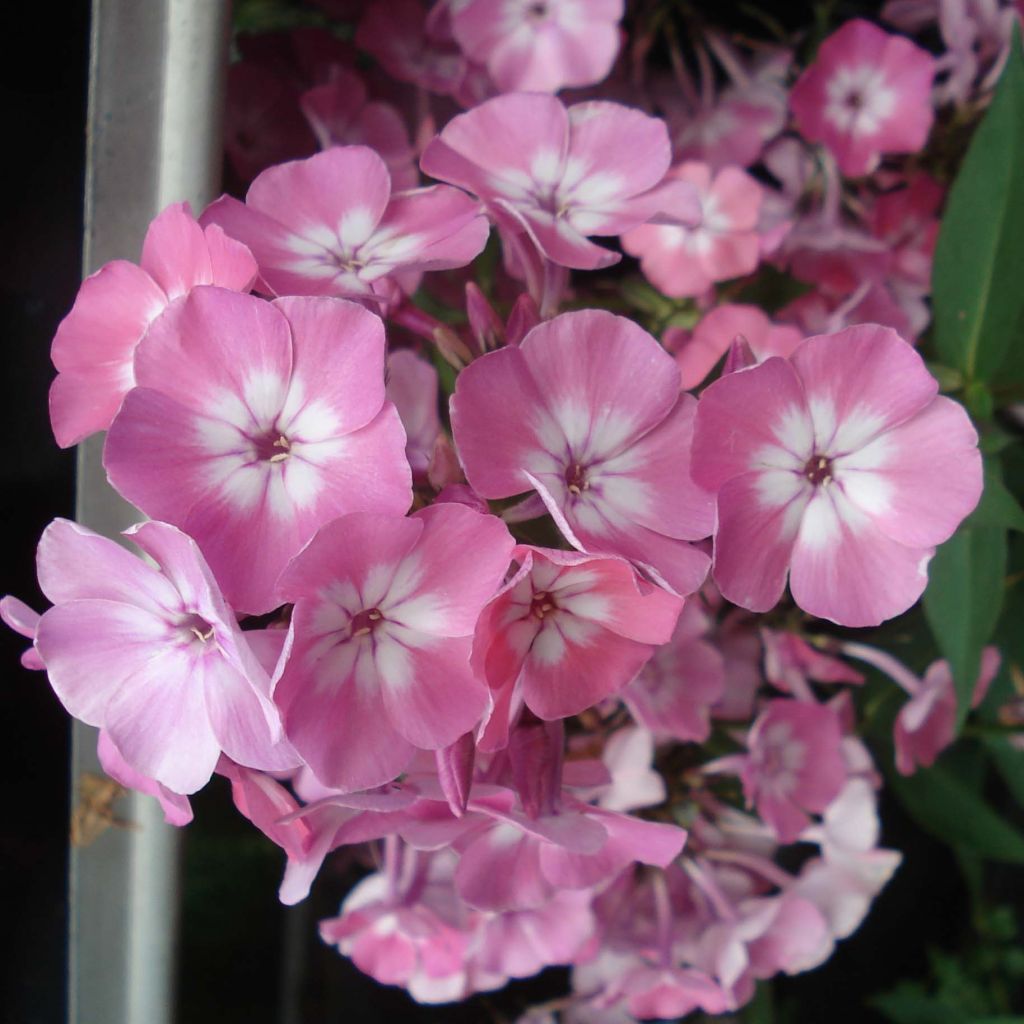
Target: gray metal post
x,y
154,137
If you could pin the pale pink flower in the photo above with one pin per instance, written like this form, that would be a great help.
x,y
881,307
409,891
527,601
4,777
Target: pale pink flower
x,y
588,412
698,351
720,244
791,663
843,467
867,93
17,615
330,225
412,387
254,423
341,114
384,614
176,807
540,45
675,691
570,629
411,45
154,657
629,755
560,175
794,764
926,724
95,342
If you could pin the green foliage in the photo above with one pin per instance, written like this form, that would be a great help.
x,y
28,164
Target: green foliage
x,y
976,985
964,598
945,803
979,258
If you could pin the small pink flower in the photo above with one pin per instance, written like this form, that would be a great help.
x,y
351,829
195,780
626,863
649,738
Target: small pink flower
x,y
560,175
330,225
154,657
790,663
540,45
384,614
253,424
794,764
412,387
841,466
926,724
570,629
866,94
341,114
697,352
676,689
95,342
587,411
721,244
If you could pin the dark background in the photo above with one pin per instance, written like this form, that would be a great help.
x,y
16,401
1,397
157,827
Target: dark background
x,y
233,928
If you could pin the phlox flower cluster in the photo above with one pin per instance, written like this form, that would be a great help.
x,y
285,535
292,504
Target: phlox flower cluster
x,y
450,560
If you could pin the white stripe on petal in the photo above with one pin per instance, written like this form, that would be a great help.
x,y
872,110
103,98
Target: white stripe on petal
x,y
795,433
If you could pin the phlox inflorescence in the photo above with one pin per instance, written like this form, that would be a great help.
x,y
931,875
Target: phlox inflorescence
x,y
449,556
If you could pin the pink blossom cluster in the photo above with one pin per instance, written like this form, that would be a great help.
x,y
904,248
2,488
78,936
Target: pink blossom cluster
x,y
524,639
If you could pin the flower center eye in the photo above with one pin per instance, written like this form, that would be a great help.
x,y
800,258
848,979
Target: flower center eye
x,y
273,447
542,604
365,622
576,479
818,469
854,101
537,11
195,629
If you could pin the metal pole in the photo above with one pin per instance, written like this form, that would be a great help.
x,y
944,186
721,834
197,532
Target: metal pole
x,y
156,87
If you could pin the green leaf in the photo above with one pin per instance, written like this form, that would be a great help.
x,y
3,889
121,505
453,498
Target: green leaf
x,y
979,257
944,806
998,507
963,600
1009,762
909,1004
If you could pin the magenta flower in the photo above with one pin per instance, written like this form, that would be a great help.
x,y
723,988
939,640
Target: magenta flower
x,y
587,410
866,94
698,351
794,764
570,629
154,657
720,244
94,343
330,225
341,114
843,467
384,614
540,45
675,691
561,175
253,424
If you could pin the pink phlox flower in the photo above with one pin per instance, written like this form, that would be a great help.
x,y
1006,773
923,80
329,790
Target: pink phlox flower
x,y
518,862
791,664
411,45
731,126
675,691
519,943
636,783
94,344
976,34
341,113
385,609
793,766
412,386
331,225
867,93
488,331
404,927
253,424
557,176
154,656
17,615
721,244
540,45
698,351
176,807
926,724
587,411
570,629
842,480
